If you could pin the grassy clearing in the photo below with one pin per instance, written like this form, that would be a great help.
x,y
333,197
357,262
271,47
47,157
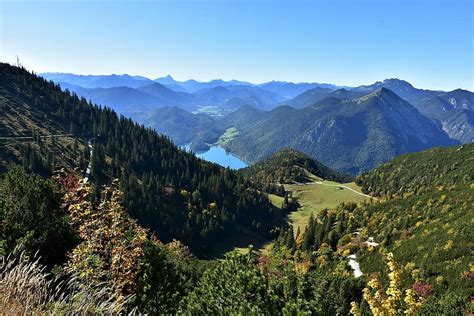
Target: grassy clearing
x,y
276,200
228,135
313,198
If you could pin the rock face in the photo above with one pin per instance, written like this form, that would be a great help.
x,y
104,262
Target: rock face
x,y
454,111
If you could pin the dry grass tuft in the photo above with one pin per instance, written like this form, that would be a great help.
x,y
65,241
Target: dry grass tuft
x,y
26,288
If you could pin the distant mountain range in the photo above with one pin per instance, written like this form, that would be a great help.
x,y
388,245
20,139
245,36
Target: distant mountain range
x,y
117,91
349,129
453,110
102,81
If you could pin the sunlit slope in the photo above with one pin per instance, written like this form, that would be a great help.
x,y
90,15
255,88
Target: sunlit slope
x,y
316,196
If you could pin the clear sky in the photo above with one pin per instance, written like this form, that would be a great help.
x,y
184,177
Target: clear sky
x,y
427,42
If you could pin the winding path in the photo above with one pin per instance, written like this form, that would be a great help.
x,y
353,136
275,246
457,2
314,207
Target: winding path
x,y
353,258
355,266
31,137
87,173
345,187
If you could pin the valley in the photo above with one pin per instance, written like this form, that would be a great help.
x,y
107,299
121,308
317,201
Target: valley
x,y
312,198
322,216
237,158
316,196
288,220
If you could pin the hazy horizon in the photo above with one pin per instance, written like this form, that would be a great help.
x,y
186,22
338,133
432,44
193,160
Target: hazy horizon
x,y
232,79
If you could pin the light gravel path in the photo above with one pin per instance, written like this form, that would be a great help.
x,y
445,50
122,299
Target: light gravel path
x,y
87,173
343,186
31,137
353,258
355,266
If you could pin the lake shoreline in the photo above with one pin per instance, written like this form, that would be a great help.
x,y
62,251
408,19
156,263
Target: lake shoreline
x,y
219,155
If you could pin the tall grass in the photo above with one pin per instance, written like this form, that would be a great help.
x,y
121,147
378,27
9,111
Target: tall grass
x,y
26,288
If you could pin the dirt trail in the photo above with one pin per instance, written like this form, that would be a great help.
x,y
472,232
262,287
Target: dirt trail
x,y
345,187
31,137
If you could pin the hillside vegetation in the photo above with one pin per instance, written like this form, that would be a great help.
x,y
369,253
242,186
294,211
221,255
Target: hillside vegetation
x,y
170,191
288,165
116,241
107,263
424,218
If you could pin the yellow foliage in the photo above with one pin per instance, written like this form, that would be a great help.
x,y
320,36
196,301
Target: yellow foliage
x,y
112,243
440,280
299,240
393,301
355,310
302,267
449,245
410,266
415,274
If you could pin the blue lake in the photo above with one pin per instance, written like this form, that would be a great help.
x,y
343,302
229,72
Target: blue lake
x,y
218,155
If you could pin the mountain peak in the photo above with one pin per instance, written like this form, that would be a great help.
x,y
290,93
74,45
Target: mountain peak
x,y
396,80
394,84
165,80
381,93
459,90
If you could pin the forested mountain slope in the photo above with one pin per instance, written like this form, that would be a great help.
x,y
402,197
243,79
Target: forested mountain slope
x,y
426,217
423,215
347,135
182,126
290,166
453,110
166,189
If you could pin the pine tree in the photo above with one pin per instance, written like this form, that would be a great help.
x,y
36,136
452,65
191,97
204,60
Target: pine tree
x,y
309,236
290,238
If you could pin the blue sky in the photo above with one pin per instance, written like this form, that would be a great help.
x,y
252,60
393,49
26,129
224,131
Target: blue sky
x,y
429,43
